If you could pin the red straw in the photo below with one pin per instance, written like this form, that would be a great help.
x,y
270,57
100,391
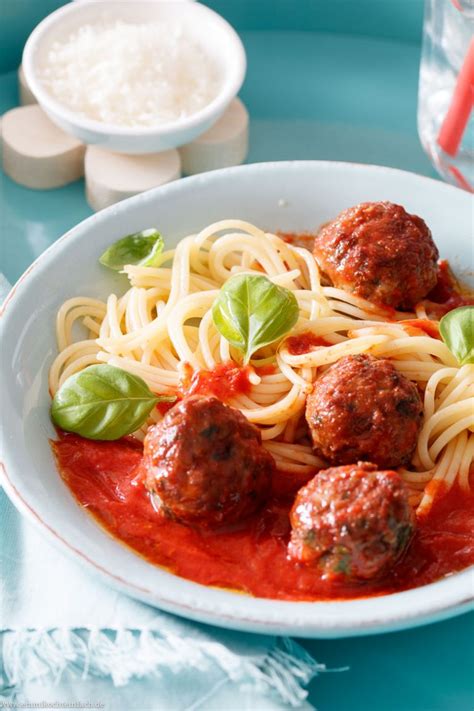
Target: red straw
x,y
460,179
456,119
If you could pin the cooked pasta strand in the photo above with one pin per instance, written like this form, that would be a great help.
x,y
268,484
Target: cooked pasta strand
x,y
165,320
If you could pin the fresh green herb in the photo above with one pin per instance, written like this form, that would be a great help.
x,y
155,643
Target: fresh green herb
x,y
103,402
251,312
142,248
342,562
457,331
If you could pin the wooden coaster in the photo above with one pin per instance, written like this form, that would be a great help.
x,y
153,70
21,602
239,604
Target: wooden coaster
x,y
38,154
111,177
224,145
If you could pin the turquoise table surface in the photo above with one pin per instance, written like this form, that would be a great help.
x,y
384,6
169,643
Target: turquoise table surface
x,y
311,95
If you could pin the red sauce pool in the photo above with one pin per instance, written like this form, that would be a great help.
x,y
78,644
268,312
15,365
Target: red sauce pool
x,y
225,381
302,239
447,294
430,328
103,477
164,406
304,343
266,370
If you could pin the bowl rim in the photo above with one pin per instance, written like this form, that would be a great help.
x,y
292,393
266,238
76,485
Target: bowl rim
x,y
438,600
229,88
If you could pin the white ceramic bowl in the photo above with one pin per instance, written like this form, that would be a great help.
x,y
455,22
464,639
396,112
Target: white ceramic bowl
x,y
288,196
222,44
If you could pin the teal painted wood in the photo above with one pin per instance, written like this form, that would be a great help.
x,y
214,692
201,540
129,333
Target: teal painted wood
x,y
310,95
389,19
17,19
400,20
426,669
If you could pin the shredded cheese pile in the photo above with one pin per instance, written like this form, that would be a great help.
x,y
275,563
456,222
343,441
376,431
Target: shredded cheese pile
x,y
131,74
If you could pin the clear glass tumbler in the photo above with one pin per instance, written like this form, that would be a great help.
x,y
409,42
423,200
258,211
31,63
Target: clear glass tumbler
x,y
446,89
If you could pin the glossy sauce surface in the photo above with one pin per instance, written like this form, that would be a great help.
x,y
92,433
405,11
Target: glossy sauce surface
x,y
104,477
304,343
429,328
448,294
302,239
225,381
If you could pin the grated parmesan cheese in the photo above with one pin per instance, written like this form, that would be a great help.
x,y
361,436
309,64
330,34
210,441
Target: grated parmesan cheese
x,y
130,74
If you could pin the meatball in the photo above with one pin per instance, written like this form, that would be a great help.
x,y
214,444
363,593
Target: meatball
x,y
379,252
351,522
206,464
362,408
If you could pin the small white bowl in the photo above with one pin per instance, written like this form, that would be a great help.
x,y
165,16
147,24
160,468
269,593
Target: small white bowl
x,y
222,44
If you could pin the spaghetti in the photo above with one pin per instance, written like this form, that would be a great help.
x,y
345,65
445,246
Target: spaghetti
x,y
162,326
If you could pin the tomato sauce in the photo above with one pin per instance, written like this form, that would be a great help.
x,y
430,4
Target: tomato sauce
x,y
104,477
447,294
302,239
430,328
304,343
388,312
164,406
225,381
268,369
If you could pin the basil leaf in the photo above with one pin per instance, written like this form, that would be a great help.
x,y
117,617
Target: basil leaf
x,y
457,331
103,402
251,312
141,248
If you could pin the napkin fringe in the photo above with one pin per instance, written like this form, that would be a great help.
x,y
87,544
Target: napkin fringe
x,y
122,655
287,669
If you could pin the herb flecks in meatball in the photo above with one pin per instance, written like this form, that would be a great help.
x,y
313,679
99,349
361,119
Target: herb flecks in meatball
x,y
351,522
362,408
380,252
206,464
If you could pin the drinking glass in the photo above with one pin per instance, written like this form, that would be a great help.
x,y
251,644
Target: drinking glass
x,y
446,89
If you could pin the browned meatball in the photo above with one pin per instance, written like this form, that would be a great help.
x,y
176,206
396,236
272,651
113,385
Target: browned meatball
x,y
362,408
206,464
351,522
379,252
